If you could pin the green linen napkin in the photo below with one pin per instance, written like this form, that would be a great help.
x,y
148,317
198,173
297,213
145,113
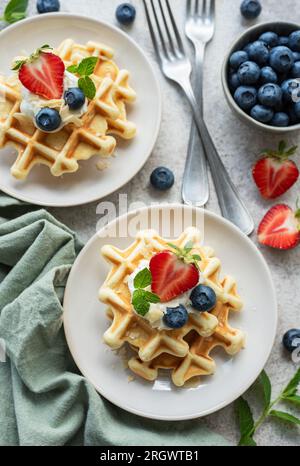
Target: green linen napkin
x,y
43,399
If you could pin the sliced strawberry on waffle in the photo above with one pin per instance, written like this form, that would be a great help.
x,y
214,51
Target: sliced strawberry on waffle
x,y
173,273
42,74
280,228
275,174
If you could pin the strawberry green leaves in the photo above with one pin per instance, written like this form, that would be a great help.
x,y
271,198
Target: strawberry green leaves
x,y
185,253
141,299
15,11
19,63
85,69
246,422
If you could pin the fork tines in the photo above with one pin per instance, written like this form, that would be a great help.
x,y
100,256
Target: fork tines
x,y
201,8
163,29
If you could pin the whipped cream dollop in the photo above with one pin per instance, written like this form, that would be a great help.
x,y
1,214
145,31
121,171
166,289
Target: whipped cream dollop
x,y
31,104
157,311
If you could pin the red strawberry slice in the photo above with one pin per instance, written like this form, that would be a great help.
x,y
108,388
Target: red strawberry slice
x,y
171,276
273,178
280,228
275,174
44,76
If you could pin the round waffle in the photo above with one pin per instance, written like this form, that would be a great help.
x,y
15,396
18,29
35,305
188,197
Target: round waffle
x,y
185,351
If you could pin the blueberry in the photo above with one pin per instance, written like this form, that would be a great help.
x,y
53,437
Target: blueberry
x,y
203,298
48,119
259,52
270,95
237,58
296,108
251,9
46,6
262,113
291,339
281,59
280,119
295,73
234,81
269,38
162,178
245,97
249,73
294,41
125,13
74,98
268,75
291,90
294,120
283,40
296,56
246,48
175,317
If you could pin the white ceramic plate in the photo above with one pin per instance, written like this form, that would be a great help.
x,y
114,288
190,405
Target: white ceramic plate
x,y
88,184
85,322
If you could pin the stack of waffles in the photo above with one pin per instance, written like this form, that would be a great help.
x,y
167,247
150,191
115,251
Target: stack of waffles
x,y
91,135
185,351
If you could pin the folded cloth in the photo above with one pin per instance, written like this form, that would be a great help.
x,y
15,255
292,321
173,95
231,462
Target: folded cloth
x,y
43,399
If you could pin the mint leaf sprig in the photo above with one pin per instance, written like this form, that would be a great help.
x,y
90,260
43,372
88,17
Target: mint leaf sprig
x,y
14,11
185,253
85,69
245,417
141,299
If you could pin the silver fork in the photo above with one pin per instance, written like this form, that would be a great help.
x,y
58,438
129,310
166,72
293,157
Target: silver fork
x,y
177,67
199,28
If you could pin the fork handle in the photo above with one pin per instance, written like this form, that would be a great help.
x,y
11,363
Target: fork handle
x,y
232,207
195,187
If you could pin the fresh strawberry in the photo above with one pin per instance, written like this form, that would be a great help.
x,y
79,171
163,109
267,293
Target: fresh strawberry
x,y
42,74
280,228
173,273
275,174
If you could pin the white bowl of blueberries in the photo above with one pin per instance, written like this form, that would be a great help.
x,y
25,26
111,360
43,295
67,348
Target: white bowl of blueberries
x,y
261,76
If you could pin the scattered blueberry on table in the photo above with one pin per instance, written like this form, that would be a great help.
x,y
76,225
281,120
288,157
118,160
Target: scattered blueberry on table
x,y
291,340
264,78
251,9
162,178
125,13
176,317
48,119
74,98
47,6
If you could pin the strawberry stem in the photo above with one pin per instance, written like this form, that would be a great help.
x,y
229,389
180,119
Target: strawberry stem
x,y
282,153
185,255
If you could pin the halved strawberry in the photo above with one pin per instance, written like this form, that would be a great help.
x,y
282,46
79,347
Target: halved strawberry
x,y
171,276
280,228
43,75
275,173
